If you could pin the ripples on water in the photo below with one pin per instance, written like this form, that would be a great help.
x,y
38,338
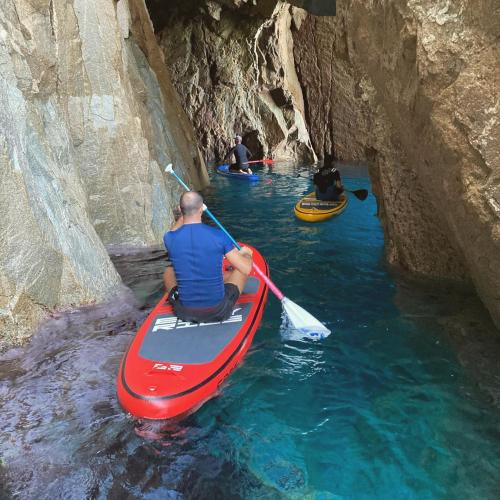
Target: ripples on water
x,y
382,408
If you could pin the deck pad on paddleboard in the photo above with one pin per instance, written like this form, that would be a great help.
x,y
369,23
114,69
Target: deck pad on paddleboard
x,y
170,339
176,341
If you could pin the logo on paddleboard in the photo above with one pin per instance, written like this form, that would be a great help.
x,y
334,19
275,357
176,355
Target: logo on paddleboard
x,y
168,368
174,323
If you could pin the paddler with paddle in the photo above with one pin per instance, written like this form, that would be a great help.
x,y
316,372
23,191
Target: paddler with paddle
x,y
327,181
242,155
198,289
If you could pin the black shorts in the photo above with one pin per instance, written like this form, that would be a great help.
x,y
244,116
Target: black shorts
x,y
220,312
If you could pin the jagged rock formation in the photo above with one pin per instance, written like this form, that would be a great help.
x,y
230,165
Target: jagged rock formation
x,y
413,87
235,73
88,118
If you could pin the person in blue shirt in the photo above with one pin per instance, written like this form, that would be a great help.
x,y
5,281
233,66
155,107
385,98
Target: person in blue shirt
x,y
242,155
198,289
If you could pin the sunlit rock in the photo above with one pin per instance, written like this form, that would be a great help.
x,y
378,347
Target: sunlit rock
x,y
87,125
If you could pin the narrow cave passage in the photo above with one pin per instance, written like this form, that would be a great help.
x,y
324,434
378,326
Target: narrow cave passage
x,y
235,74
402,399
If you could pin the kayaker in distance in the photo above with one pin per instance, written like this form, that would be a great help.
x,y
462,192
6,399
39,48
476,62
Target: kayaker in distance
x,y
327,181
242,155
198,289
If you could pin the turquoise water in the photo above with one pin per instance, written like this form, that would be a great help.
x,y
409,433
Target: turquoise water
x,y
380,409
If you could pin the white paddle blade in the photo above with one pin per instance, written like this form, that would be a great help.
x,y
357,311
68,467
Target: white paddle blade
x,y
304,322
169,168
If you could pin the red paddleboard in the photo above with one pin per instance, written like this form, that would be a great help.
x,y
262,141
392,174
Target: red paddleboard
x,y
172,367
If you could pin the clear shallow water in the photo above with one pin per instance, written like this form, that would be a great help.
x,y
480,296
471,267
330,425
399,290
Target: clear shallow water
x,y
380,409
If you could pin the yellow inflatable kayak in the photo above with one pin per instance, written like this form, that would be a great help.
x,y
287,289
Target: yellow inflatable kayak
x,y
310,209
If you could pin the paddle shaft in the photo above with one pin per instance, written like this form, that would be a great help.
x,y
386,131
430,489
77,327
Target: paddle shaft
x,y
265,160
279,294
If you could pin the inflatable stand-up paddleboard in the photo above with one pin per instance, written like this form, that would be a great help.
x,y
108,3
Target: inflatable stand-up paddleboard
x,y
224,170
172,367
310,209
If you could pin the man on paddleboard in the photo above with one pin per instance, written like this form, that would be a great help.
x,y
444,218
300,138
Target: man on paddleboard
x,y
242,155
199,291
327,181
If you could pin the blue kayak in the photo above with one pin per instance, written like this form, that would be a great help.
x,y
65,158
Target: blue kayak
x,y
224,170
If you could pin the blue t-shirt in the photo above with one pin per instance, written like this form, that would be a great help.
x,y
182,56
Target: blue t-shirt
x,y
196,252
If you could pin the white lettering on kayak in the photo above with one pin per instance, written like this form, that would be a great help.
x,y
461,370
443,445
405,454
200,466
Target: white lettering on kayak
x,y
161,367
165,323
172,322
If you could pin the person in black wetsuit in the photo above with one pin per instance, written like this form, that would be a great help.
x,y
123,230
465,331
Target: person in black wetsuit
x,y
327,181
242,155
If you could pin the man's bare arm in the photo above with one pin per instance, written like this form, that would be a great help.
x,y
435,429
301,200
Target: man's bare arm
x,y
241,259
169,279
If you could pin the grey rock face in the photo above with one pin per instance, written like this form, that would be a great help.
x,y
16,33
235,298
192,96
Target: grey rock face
x,y
87,126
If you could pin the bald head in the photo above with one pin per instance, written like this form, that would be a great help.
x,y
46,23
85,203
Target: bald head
x,y
237,139
191,202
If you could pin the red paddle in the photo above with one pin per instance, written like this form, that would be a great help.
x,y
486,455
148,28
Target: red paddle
x,y
265,160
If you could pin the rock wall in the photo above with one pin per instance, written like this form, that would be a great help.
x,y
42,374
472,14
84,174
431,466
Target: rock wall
x,y
413,86
87,125
235,71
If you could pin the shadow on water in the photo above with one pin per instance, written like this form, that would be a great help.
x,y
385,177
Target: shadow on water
x,y
382,408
